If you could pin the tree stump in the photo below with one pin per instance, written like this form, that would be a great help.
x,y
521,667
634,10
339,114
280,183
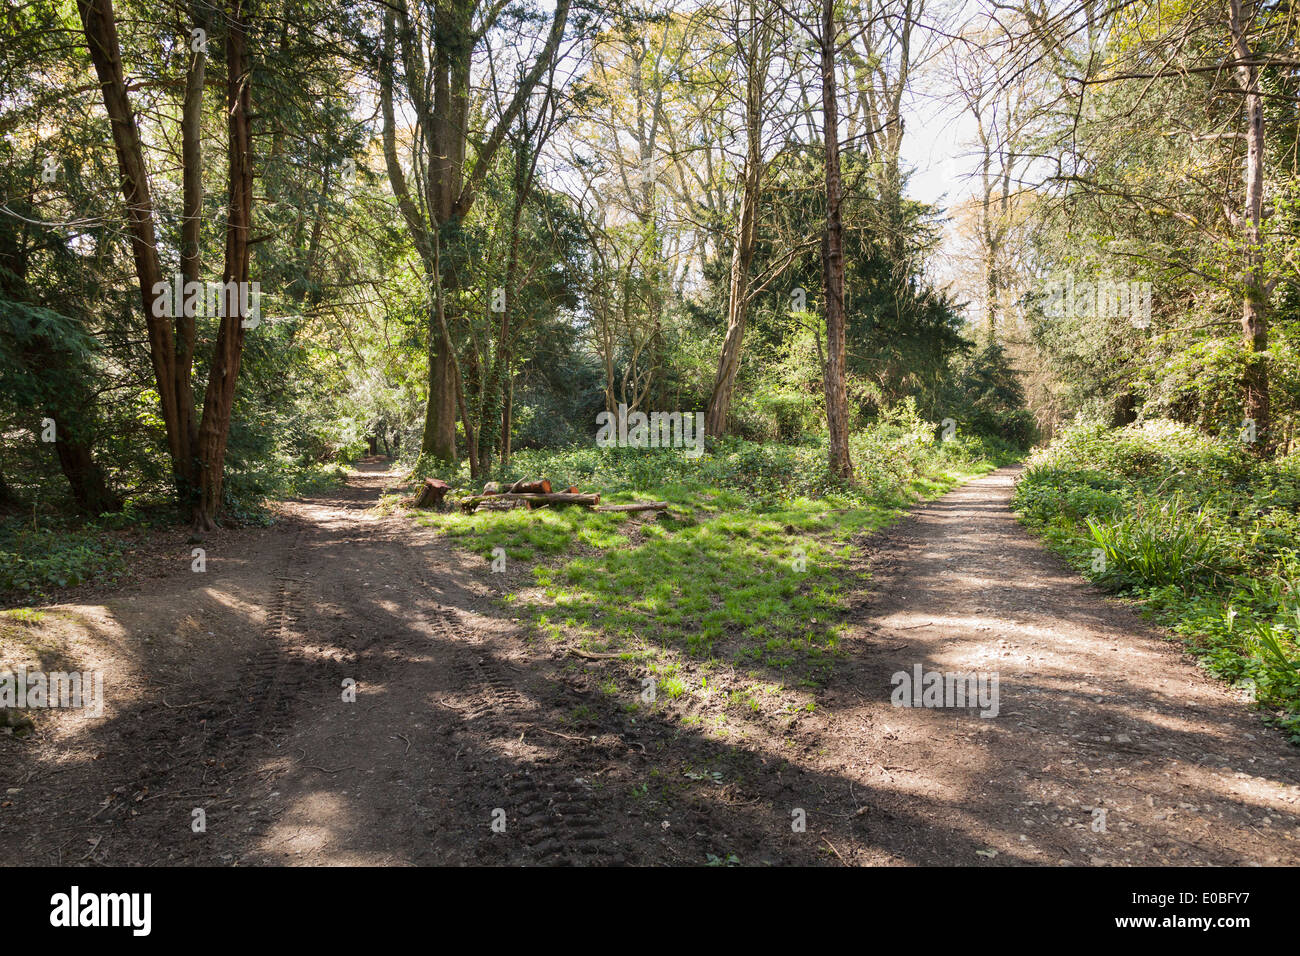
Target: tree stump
x,y
432,493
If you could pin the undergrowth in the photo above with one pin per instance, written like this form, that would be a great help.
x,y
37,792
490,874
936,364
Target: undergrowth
x,y
1205,534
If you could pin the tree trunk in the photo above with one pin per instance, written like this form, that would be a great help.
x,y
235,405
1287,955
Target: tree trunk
x,y
742,253
991,298
454,378
100,27
837,405
742,256
440,405
492,413
197,458
507,410
85,477
1254,315
191,269
218,402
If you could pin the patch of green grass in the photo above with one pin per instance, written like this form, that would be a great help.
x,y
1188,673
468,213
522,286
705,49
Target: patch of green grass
x,y
749,566
743,698
583,714
759,588
23,615
526,535
672,688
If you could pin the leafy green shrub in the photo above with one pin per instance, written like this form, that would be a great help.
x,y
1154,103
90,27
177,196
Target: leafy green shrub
x,y
245,491
1045,494
781,415
34,562
1152,546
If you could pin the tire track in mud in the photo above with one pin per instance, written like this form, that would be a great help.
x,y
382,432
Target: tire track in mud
x,y
271,682
555,809
173,753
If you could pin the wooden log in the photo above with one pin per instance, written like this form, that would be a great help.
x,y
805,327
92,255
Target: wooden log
x,y
432,493
522,487
494,503
557,498
635,506
564,498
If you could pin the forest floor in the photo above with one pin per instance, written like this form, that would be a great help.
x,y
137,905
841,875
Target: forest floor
x,y
224,693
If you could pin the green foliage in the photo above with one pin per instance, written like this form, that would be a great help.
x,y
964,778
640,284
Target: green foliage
x,y
887,454
1170,543
33,562
988,399
1206,535
246,491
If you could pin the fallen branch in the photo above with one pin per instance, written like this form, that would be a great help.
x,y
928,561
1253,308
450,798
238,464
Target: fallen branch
x,y
835,851
635,506
196,703
556,733
558,498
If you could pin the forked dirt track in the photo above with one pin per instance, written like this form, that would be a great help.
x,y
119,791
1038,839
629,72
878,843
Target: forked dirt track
x,y
225,695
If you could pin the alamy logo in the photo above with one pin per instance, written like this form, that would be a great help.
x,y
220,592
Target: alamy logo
x,y
923,688
209,300
102,909
24,690
656,430
1102,299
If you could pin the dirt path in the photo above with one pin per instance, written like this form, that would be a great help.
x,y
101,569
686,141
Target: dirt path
x,y
1097,713
225,694
240,712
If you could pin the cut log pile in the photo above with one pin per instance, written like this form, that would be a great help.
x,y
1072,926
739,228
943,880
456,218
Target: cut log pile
x,y
539,494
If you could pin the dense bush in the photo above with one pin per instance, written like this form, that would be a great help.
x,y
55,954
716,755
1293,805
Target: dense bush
x,y
986,398
246,491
